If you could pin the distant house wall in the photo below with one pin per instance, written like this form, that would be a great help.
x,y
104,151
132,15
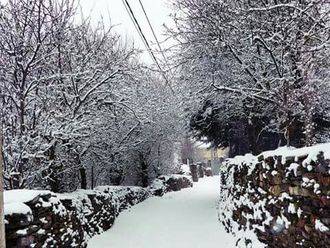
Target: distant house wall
x,y
214,156
213,153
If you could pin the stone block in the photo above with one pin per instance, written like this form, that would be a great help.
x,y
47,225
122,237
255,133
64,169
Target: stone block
x,y
299,191
275,190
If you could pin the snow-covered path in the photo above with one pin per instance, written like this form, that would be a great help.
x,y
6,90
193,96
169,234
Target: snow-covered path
x,y
184,219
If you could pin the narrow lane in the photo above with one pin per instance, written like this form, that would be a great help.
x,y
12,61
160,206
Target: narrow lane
x,y
177,220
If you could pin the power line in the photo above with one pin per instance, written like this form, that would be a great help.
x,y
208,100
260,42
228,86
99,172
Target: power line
x,y
139,30
153,32
137,27
146,43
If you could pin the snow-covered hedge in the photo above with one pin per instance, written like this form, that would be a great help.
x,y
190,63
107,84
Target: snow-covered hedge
x,y
37,218
164,184
282,195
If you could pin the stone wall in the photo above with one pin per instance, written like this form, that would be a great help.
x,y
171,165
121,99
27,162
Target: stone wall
x,y
283,196
165,184
199,170
45,219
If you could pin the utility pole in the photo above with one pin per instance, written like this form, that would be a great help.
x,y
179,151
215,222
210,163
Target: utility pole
x,y
2,226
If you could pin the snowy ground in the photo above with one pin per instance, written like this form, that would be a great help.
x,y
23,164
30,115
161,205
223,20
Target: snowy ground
x,y
185,219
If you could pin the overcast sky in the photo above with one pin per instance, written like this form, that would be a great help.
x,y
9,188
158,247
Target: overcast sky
x,y
157,10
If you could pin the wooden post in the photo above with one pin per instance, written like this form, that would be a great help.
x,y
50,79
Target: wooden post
x,y
2,225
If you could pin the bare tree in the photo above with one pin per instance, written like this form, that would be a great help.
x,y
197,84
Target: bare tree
x,y
2,224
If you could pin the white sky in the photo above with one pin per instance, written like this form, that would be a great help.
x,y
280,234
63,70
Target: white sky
x,y
157,10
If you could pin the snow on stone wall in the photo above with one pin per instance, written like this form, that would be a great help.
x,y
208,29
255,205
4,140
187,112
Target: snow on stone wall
x,y
44,219
282,195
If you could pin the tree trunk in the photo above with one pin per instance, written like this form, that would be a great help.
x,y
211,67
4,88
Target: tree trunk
x,y
2,226
144,172
309,126
83,178
82,171
54,171
252,137
145,177
92,177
